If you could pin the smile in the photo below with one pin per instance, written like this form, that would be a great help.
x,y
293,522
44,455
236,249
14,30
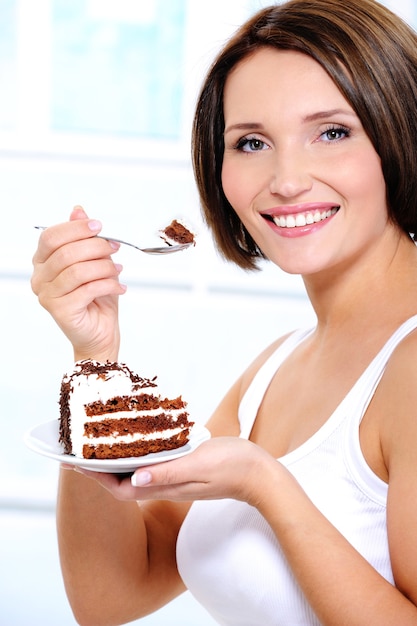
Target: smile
x,y
302,219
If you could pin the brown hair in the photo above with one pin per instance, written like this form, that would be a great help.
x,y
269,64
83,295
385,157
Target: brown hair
x,y
370,54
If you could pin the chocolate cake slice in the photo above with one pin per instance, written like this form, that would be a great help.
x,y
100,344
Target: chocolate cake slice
x,y
109,412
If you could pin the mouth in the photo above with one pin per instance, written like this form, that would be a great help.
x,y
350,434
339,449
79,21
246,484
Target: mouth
x,y
303,218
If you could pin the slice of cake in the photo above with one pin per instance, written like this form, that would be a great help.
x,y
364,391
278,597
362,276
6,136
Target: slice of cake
x,y
177,233
109,412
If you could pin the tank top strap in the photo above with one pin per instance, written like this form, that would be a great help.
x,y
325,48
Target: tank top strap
x,y
252,398
358,397
361,394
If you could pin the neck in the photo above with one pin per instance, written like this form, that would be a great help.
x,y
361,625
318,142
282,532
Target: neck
x,y
377,289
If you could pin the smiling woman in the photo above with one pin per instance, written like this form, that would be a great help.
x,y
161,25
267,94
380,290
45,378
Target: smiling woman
x,y
304,152
135,179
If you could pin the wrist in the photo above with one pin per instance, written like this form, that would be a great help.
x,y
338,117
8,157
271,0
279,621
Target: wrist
x,y
270,485
262,479
102,354
101,351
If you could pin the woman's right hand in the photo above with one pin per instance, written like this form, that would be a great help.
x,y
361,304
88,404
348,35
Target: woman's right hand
x,y
77,282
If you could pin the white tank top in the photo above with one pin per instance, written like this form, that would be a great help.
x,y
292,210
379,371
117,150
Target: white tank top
x,y
227,554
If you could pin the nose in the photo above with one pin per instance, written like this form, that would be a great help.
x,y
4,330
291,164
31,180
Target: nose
x,y
290,177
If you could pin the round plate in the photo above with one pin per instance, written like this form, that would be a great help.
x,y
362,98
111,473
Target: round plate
x,y
44,439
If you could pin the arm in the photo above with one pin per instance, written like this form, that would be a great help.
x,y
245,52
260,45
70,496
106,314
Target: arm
x,y
118,556
341,586
118,560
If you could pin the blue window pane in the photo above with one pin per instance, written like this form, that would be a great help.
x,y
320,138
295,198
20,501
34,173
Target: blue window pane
x,y
117,66
8,64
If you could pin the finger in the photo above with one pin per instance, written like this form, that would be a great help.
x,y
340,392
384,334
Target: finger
x,y
84,274
185,492
59,235
73,306
72,258
78,213
186,469
169,481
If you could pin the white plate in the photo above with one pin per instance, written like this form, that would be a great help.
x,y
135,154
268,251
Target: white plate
x,y
43,439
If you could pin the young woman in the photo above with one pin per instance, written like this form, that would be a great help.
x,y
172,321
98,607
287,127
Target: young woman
x,y
302,508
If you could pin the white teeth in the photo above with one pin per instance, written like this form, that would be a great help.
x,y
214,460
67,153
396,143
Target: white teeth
x,y
302,219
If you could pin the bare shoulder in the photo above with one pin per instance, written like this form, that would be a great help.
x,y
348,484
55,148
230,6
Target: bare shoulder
x,y
398,435
397,397
224,421
399,383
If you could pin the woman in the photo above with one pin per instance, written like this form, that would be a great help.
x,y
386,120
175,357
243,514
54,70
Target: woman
x,y
305,498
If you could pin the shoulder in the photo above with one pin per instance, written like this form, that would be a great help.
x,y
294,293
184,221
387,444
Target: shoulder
x,y
398,436
397,397
399,382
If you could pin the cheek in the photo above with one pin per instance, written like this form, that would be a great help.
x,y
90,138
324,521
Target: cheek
x,y
235,186
371,195
366,175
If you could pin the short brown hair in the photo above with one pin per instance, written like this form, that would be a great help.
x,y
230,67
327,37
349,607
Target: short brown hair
x,y
370,54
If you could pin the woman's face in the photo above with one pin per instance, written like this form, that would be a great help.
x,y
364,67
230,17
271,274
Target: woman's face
x,y
299,169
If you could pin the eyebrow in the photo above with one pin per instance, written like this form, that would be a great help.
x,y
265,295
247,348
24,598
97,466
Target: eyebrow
x,y
323,114
244,126
319,115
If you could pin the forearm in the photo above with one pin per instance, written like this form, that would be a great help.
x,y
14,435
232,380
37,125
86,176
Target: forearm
x,y
103,550
340,585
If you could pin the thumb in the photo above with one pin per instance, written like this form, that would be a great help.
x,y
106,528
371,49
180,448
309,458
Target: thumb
x,y
78,213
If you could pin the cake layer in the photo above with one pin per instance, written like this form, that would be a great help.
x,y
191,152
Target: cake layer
x,y
143,402
123,425
118,450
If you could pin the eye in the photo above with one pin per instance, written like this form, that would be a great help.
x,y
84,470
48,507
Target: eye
x,y
334,133
251,144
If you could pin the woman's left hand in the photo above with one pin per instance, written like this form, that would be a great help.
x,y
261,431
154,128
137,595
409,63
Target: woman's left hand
x,y
223,467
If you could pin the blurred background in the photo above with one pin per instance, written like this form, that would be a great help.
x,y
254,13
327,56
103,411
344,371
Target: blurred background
x,y
96,105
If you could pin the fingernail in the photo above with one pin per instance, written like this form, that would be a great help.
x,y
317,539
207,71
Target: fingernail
x,y
114,244
94,225
140,479
118,267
